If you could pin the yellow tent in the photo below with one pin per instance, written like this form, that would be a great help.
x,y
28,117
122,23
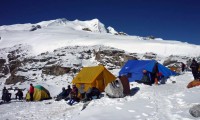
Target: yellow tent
x,y
40,93
97,76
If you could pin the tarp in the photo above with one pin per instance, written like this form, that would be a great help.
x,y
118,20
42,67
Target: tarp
x,y
126,85
134,68
40,93
114,89
96,76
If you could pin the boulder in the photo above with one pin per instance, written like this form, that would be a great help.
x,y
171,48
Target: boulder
x,y
195,111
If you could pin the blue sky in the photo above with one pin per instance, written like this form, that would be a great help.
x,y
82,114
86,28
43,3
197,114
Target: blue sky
x,y
167,19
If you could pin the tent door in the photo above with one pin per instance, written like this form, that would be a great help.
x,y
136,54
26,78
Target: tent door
x,y
100,83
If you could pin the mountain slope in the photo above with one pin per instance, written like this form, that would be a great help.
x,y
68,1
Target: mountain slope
x,y
61,32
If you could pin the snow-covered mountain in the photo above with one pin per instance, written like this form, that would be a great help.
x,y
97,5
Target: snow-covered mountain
x,y
58,33
112,30
51,53
93,25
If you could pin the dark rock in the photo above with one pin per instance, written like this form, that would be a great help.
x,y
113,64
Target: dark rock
x,y
97,56
35,27
121,33
40,60
87,29
5,70
63,54
195,111
11,57
50,62
150,55
2,76
14,65
2,62
38,26
22,70
55,70
13,79
169,61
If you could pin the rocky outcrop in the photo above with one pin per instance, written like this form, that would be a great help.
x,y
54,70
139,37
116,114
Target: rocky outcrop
x,y
66,60
2,62
13,79
14,64
35,27
4,70
150,55
169,61
113,58
55,70
121,33
87,29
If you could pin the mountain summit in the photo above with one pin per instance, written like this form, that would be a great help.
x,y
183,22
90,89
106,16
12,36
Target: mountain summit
x,y
93,25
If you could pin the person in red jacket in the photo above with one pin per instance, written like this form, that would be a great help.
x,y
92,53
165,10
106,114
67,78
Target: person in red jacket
x,y
31,92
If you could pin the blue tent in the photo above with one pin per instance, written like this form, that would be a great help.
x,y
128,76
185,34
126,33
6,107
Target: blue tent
x,y
134,68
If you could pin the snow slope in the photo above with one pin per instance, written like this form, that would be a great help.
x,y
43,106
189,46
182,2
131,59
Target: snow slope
x,y
61,32
163,102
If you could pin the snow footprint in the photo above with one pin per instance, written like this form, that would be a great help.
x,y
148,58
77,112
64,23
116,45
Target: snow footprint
x,y
144,114
149,106
180,101
131,110
118,108
178,112
137,116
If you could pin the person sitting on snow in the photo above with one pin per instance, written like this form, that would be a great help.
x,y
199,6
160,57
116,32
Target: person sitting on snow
x,y
6,96
92,92
68,90
82,91
73,95
62,95
19,95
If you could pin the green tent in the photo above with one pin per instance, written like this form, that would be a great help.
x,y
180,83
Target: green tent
x,y
40,93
